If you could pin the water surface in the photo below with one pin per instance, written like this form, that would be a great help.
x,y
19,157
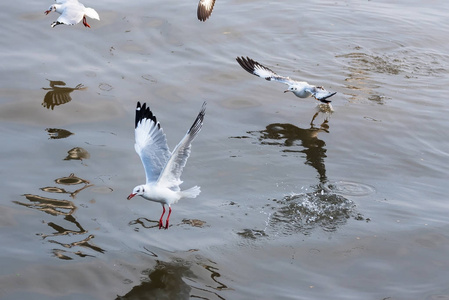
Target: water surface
x,y
296,203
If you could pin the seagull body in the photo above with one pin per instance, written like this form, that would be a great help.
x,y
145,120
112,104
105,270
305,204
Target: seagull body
x,y
300,88
205,8
162,168
72,12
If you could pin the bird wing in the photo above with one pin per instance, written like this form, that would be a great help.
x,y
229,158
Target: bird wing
x,y
72,14
170,176
205,8
57,97
321,94
151,143
64,1
257,69
91,13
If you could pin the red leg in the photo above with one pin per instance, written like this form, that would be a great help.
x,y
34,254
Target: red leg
x,y
85,22
168,217
160,220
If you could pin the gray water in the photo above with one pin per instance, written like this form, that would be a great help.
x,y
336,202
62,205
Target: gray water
x,y
296,203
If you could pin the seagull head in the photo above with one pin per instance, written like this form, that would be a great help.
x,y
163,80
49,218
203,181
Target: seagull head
x,y
291,88
137,191
300,90
50,9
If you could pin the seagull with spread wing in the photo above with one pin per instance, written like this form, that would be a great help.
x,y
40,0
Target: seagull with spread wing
x,y
205,8
72,12
300,88
163,168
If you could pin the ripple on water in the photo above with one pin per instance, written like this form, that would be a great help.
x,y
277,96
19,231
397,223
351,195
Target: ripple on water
x,y
350,188
304,212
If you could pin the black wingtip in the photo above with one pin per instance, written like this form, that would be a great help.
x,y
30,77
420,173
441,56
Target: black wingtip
x,y
246,63
143,112
249,65
323,100
198,123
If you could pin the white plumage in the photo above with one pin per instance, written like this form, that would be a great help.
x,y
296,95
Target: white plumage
x,y
163,168
72,12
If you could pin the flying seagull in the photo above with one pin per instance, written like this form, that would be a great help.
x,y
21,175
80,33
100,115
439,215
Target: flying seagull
x,y
300,88
72,12
163,168
205,8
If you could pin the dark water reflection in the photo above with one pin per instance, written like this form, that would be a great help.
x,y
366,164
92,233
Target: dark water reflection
x,y
69,225
57,133
77,153
164,281
59,94
292,138
319,208
176,280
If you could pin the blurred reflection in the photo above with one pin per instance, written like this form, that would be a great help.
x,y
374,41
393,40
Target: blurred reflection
x,y
68,227
60,230
51,206
167,280
83,243
56,133
58,94
288,135
71,180
147,223
144,222
77,153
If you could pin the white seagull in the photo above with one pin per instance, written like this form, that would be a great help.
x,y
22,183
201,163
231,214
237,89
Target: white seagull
x,y
163,168
300,88
205,8
72,12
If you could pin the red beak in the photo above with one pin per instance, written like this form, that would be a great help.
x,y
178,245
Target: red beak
x,y
130,196
47,12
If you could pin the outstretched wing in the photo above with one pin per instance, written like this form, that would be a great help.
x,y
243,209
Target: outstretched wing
x,y
321,94
151,143
205,8
170,176
257,69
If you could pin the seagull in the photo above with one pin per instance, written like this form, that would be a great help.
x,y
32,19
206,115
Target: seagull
x,y
72,12
205,8
163,168
58,93
300,88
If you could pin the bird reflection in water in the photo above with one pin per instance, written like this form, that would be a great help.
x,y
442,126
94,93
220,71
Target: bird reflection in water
x,y
169,280
320,206
56,133
288,135
58,94
68,226
77,153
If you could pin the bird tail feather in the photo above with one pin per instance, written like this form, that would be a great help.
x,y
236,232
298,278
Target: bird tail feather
x,y
91,13
191,193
